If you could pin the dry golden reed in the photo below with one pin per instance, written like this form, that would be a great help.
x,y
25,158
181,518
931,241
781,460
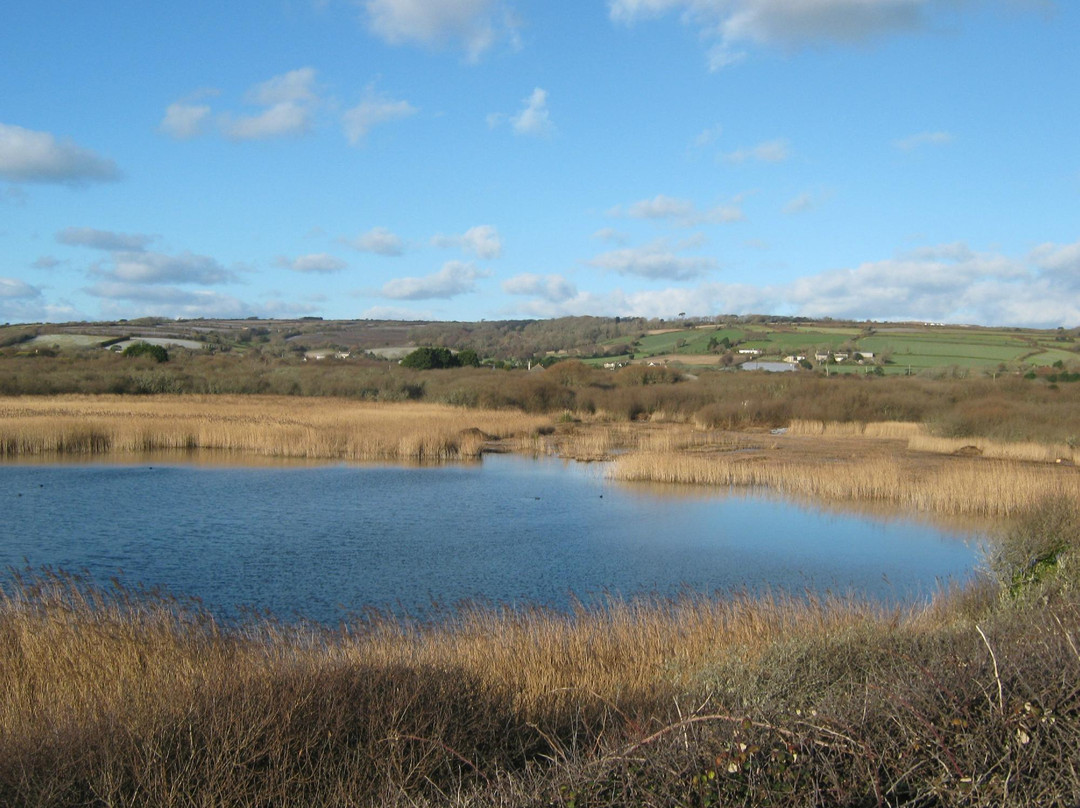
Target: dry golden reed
x,y
269,426
1026,451
974,487
839,429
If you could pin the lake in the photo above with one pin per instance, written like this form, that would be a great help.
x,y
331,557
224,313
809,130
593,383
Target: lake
x,y
321,541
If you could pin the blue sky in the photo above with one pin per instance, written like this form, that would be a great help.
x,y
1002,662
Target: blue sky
x,y
492,159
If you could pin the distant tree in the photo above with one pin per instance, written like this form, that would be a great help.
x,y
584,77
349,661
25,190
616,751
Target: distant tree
x,y
430,359
468,358
146,349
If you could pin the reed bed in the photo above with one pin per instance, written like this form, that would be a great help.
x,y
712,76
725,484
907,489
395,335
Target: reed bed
x,y
965,487
844,429
270,426
109,697
1024,451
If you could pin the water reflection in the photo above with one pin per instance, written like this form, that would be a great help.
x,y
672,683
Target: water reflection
x,y
322,540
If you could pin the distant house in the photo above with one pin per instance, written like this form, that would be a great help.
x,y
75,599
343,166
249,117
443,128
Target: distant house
x,y
750,351
821,357
795,358
771,367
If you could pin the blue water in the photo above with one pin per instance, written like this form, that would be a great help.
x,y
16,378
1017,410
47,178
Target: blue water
x,y
324,541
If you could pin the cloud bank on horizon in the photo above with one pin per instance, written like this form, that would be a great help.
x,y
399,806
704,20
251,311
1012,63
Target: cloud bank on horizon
x,y
488,159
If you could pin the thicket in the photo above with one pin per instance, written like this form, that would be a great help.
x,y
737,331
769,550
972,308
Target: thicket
x,y
109,697
155,352
1005,408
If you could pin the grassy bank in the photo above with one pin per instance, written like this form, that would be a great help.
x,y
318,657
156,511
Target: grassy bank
x,y
114,698
267,426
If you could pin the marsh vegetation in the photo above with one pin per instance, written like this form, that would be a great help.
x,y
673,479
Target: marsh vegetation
x,y
111,697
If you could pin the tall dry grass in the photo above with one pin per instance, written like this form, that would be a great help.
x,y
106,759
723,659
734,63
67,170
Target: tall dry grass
x,y
113,698
270,426
873,429
920,439
1025,451
965,487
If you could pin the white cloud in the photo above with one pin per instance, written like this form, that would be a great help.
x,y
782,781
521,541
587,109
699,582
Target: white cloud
x,y
295,87
657,260
166,301
395,313
30,156
534,119
784,23
660,207
612,235
375,109
800,204
923,139
184,121
949,283
680,211
772,151
482,241
157,268
13,288
104,239
455,278
378,240
707,136
287,119
289,100
317,262
475,25
552,288
1061,262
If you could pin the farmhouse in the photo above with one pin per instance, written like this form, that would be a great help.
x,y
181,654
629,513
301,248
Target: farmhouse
x,y
771,367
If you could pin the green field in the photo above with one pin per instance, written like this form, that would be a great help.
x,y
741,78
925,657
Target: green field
x,y
898,349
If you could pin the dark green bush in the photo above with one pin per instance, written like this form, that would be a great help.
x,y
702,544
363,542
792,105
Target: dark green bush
x,y
156,352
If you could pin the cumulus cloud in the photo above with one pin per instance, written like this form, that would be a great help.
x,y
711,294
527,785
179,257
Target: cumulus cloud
x,y
1061,262
378,240
157,268
679,211
612,235
13,288
455,278
782,23
553,288
184,121
322,263
534,119
913,142
482,241
375,109
800,204
772,151
30,156
655,261
166,301
289,101
949,283
475,25
103,239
